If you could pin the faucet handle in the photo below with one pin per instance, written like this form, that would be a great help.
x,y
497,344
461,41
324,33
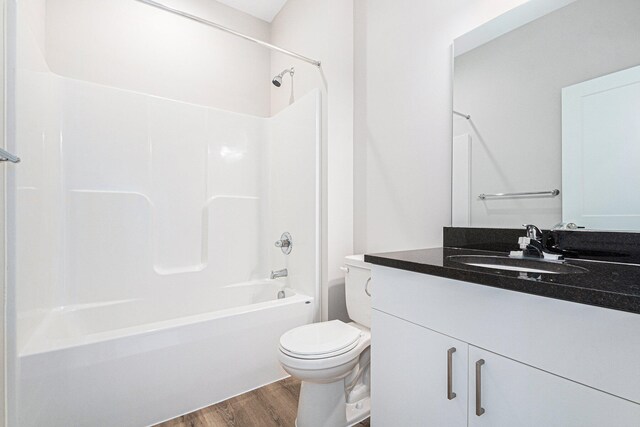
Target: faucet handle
x,y
523,242
533,232
285,243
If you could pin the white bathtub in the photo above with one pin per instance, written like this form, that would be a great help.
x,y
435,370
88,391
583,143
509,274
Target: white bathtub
x,y
140,362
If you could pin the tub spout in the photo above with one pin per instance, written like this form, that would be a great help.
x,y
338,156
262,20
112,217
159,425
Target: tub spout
x,y
279,273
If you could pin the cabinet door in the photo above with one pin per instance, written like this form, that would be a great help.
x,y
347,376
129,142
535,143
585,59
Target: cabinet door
x,y
514,394
409,375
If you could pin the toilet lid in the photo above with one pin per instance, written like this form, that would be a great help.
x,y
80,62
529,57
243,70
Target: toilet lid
x,y
320,338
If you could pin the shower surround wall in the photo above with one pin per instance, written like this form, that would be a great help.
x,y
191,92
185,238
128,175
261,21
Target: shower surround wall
x,y
137,215
139,195
170,193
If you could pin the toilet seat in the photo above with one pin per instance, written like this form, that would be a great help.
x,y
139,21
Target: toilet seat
x,y
320,340
326,366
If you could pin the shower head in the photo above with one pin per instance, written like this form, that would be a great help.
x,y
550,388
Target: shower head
x,y
277,80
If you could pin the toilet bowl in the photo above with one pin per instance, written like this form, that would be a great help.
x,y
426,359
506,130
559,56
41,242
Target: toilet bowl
x,y
323,352
332,359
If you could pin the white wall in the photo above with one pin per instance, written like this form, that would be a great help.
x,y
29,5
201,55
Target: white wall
x,y
127,44
24,44
403,117
323,30
34,258
512,88
299,27
3,275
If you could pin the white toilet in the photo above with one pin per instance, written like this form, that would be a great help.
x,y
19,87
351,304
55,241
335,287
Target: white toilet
x,y
332,358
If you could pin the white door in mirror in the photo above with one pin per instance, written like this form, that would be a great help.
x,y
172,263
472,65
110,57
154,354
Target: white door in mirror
x,y
601,152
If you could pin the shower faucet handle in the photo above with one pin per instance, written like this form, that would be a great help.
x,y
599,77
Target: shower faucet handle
x,y
285,243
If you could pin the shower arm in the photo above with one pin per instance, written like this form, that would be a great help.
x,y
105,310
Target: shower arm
x,y
291,71
229,30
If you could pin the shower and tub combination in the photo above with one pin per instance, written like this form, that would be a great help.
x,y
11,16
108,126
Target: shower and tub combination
x,y
144,282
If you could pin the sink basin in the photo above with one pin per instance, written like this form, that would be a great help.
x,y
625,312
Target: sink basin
x,y
522,265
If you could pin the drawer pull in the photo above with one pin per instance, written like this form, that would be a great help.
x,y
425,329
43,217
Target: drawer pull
x,y
366,287
479,408
450,394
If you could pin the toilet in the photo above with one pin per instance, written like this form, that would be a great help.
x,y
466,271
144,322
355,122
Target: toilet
x,y
332,358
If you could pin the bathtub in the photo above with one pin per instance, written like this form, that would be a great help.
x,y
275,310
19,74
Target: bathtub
x,y
140,362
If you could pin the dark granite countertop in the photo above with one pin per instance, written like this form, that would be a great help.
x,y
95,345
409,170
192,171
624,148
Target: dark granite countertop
x,y
605,284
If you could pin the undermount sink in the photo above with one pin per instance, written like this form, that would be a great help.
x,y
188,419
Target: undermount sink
x,y
522,265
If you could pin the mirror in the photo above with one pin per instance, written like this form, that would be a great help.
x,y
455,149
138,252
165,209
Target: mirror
x,y
546,126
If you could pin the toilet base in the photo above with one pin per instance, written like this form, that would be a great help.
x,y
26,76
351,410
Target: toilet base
x,y
358,411
324,405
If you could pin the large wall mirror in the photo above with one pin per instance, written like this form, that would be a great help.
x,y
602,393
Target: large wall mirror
x,y
547,117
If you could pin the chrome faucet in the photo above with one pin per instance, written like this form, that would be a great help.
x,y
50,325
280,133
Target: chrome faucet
x,y
533,232
285,243
533,244
278,273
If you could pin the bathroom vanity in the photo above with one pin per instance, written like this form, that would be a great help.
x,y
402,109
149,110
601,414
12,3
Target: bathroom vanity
x,y
455,344
544,102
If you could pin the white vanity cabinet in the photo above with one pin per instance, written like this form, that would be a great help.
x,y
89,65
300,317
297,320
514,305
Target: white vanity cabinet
x,y
514,394
411,366
543,362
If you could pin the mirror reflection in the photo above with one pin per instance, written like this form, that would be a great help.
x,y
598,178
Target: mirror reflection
x,y
547,118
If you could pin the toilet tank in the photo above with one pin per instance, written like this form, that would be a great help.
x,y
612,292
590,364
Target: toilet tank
x,y
357,276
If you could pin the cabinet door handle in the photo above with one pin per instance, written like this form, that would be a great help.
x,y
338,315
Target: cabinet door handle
x,y
450,394
479,408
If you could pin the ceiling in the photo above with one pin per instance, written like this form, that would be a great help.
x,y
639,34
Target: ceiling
x,y
263,9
